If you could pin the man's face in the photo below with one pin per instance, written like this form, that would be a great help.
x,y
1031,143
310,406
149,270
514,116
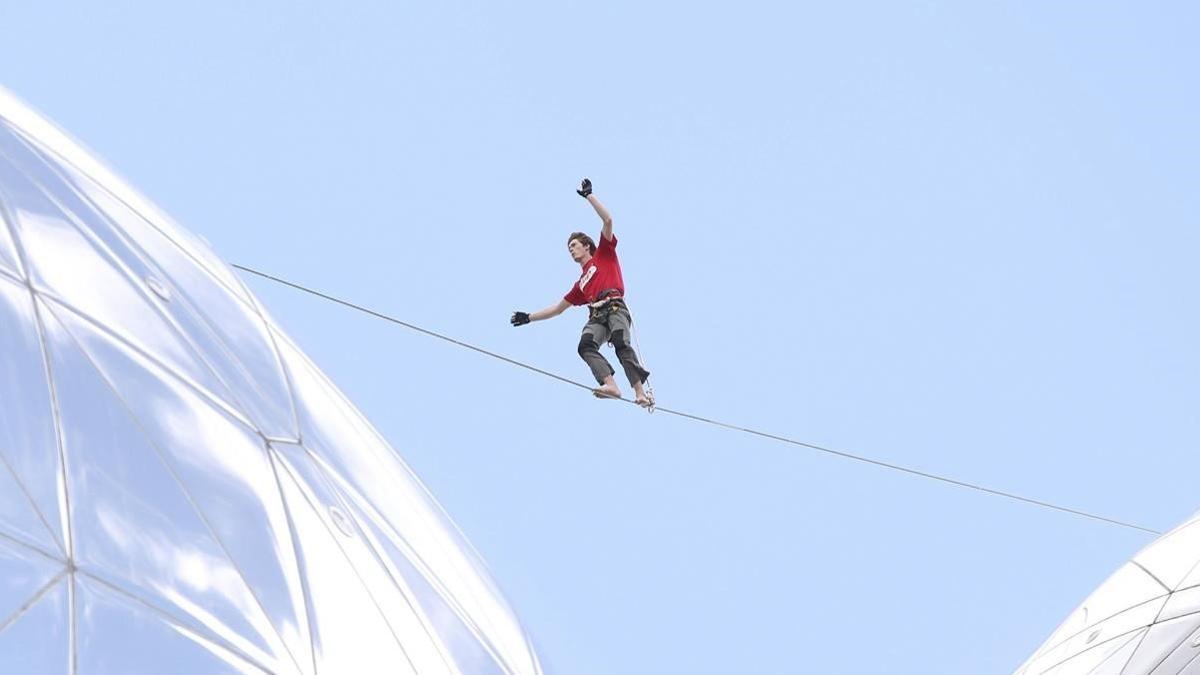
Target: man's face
x,y
578,250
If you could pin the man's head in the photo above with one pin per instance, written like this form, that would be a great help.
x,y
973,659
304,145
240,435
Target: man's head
x,y
581,247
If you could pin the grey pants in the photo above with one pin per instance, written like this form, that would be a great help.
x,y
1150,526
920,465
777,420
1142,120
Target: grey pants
x,y
610,326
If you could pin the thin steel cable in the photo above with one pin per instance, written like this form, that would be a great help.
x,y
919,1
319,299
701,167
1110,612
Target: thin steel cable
x,y
430,333
698,418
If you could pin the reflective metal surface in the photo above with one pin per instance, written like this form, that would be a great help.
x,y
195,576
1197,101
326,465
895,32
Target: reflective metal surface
x,y
1144,619
181,489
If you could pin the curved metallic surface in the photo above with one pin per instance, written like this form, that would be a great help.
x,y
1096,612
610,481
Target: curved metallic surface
x,y
1145,619
181,489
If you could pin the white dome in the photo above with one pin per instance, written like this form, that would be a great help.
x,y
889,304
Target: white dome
x,y
1144,619
181,489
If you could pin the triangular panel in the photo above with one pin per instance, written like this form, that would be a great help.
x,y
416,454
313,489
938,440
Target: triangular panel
x,y
1128,587
79,273
9,259
469,647
1182,603
23,573
1127,622
1171,557
232,339
1166,648
1085,661
18,519
1193,577
28,441
63,151
39,641
1117,657
1192,668
401,613
222,467
117,636
344,441
133,523
336,591
8,251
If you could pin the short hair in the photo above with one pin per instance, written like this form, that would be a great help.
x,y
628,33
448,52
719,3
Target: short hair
x,y
584,239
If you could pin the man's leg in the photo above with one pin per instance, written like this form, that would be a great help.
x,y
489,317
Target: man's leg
x,y
619,325
594,334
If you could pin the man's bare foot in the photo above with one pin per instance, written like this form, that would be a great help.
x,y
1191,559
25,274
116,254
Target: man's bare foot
x,y
641,397
607,391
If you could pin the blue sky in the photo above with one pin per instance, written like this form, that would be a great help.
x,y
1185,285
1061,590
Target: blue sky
x,y
954,236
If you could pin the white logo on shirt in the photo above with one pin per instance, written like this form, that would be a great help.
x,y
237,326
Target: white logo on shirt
x,y
587,276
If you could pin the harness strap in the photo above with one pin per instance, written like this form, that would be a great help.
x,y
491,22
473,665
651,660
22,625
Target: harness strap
x,y
606,296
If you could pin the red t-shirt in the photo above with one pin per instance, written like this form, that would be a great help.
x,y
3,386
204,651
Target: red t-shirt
x,y
600,273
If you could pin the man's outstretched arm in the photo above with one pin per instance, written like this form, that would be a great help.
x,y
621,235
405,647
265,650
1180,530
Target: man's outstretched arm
x,y
521,318
585,191
551,311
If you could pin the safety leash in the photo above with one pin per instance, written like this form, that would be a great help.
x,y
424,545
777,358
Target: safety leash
x,y
633,330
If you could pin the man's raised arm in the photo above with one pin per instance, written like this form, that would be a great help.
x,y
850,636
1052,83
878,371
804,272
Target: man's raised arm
x,y
585,191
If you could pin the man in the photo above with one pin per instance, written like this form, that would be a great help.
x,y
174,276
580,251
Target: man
x,y
600,288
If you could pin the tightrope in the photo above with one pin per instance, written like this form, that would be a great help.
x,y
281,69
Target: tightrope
x,y
705,420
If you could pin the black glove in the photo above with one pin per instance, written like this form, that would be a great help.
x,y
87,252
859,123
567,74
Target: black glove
x,y
519,318
585,188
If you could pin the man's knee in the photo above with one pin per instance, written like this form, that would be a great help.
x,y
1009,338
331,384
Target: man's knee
x,y
587,345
